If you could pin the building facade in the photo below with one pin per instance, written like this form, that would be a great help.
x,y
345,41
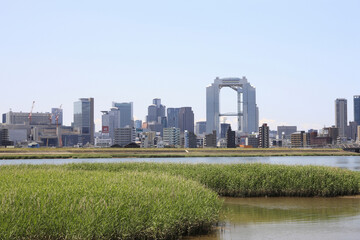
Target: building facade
x,y
171,137
247,110
300,140
357,109
200,128
264,138
110,122
124,136
173,117
186,119
84,119
126,113
284,132
341,116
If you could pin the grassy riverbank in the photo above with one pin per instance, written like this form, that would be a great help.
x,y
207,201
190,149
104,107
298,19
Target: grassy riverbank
x,y
250,180
42,202
145,200
46,153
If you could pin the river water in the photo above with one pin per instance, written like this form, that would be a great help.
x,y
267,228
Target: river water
x,y
347,162
268,218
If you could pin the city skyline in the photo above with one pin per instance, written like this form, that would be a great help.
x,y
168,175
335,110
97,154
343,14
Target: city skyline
x,y
299,57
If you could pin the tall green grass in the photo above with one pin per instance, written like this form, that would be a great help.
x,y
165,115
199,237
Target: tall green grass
x,y
52,202
251,180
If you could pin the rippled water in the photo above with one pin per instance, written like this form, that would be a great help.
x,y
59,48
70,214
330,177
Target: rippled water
x,y
288,218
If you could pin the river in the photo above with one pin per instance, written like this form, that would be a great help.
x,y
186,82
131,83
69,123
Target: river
x,y
346,162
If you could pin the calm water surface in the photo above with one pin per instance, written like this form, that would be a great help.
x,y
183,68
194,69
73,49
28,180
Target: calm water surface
x,y
348,162
268,218
288,218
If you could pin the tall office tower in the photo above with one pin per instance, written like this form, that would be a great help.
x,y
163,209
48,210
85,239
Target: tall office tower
x,y
357,109
110,122
341,116
247,111
57,116
126,113
285,131
173,117
186,119
156,111
264,141
200,128
84,119
4,118
224,128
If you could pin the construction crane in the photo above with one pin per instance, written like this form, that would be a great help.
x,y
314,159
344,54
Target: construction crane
x,y
30,114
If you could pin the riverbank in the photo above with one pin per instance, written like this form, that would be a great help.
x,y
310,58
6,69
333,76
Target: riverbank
x,y
42,202
145,200
58,153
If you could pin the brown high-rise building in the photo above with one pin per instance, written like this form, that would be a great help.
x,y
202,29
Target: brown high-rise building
x,y
264,141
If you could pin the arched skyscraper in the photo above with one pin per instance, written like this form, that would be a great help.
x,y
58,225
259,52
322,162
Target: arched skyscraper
x,y
247,110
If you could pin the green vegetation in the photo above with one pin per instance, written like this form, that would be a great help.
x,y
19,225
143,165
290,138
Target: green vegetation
x,y
251,180
42,153
51,202
145,200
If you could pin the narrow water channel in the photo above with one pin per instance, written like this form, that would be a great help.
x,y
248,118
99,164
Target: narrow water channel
x,y
288,218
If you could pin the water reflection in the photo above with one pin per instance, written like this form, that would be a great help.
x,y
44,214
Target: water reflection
x,y
278,218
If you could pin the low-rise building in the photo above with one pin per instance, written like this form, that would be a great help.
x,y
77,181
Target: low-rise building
x,y
299,140
171,137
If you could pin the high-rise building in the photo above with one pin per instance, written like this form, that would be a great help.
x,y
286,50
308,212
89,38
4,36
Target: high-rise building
x,y
84,119
173,117
156,111
110,122
247,110
126,113
186,119
341,116
284,132
264,141
357,109
200,128
351,131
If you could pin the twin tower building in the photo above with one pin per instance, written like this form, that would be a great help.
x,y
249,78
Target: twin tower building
x,y
247,112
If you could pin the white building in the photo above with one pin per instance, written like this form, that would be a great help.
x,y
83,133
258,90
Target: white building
x,y
247,110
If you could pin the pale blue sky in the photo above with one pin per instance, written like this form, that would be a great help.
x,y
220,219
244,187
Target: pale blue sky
x,y
300,55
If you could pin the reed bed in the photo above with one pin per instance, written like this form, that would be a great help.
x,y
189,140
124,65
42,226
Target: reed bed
x,y
251,180
53,202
